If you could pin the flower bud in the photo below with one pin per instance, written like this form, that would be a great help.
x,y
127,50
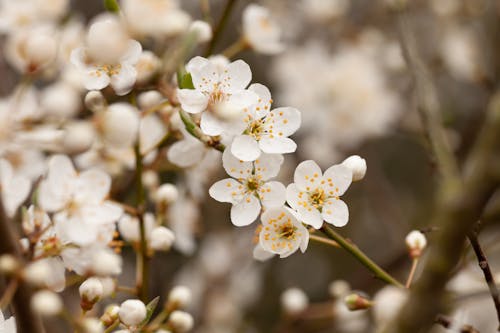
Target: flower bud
x,y
106,263
339,288
294,301
37,272
40,50
60,100
132,312
149,99
147,66
108,286
166,193
357,302
120,125
181,321
94,101
91,325
78,137
8,264
179,297
110,315
91,291
46,303
106,39
416,242
387,303
161,239
357,165
202,29
150,179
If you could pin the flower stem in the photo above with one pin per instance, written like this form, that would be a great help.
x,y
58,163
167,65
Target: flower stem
x,y
323,240
142,268
360,256
414,265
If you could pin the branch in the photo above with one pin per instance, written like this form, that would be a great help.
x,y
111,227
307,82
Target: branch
x,y
447,323
220,26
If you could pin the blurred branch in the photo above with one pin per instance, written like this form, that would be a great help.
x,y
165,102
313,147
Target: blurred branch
x,y
448,323
26,319
485,267
360,256
220,26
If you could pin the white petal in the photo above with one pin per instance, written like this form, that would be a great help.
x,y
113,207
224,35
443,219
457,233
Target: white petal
x,y
335,212
294,196
151,132
124,81
272,194
94,79
74,230
205,78
268,165
245,148
78,57
263,105
92,186
227,190
285,121
211,125
305,240
50,200
311,216
236,76
105,213
337,179
186,153
277,145
133,53
260,254
192,101
307,175
234,167
246,211
242,99
196,63
14,193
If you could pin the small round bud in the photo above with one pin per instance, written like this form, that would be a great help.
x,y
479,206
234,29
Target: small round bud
x,y
181,321
166,193
8,264
132,312
106,263
120,125
416,242
91,291
294,301
149,99
387,303
339,288
161,239
179,297
150,179
40,49
91,325
357,302
46,303
202,29
357,165
38,272
78,137
94,101
110,315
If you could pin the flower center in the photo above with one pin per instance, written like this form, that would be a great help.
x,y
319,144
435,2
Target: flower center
x,y
253,184
317,198
287,231
255,129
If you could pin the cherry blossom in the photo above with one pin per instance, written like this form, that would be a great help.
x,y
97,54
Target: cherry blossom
x,y
266,130
249,189
315,195
260,31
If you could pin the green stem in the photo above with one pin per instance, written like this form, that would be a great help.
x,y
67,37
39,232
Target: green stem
x,y
112,326
142,255
195,131
360,256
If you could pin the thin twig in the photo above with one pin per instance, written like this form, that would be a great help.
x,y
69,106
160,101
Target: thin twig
x,y
485,267
323,240
413,269
220,26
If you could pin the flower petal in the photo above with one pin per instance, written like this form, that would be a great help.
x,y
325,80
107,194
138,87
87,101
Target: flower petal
x,y
196,63
205,78
277,145
311,216
245,148
94,79
133,53
236,76
284,121
123,82
241,99
211,125
92,186
307,175
192,101
263,105
246,211
234,167
272,194
335,212
337,180
268,165
227,190
260,254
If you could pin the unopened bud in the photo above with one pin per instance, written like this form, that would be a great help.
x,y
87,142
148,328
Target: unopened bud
x,y
202,29
416,242
357,165
357,302
78,137
166,193
120,125
161,239
8,264
339,288
150,179
46,303
94,101
91,291
110,315
106,263
294,301
149,99
91,325
179,297
181,321
132,312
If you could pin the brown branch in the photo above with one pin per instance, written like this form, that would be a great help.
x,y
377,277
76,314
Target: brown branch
x,y
485,267
447,323
26,320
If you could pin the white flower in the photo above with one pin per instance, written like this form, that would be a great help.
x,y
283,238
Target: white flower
x,y
260,31
14,188
120,125
99,65
48,272
181,321
315,196
250,187
82,213
416,243
132,312
188,151
282,233
161,239
166,193
266,130
387,302
294,300
180,296
46,303
7,326
219,94
357,165
91,290
202,30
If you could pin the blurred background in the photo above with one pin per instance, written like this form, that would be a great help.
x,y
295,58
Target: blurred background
x,y
344,70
